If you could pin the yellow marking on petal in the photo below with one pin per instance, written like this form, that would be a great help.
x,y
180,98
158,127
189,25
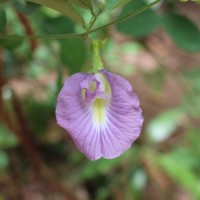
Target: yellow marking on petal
x,y
99,108
93,86
100,104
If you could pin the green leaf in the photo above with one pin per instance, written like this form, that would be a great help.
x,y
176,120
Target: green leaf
x,y
7,138
4,160
26,7
63,7
182,31
39,113
87,2
189,158
73,54
180,174
57,25
164,124
83,3
10,44
141,24
112,4
139,180
2,19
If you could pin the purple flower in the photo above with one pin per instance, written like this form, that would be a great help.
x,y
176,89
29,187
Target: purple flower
x,y
100,112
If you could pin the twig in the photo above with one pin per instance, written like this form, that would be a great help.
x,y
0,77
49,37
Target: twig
x,y
65,36
28,29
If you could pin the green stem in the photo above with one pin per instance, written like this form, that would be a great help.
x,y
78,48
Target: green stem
x,y
57,36
96,58
85,34
127,16
94,19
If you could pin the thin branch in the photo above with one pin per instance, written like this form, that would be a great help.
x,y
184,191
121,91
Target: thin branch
x,y
65,36
57,36
27,26
93,21
127,16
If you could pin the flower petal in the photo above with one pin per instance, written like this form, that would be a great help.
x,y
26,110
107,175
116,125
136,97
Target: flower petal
x,y
76,117
124,117
107,125
69,103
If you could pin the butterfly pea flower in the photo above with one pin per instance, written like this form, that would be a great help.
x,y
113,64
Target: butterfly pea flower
x,y
100,112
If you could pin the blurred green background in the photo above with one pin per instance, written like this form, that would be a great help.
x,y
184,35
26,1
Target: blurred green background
x,y
158,51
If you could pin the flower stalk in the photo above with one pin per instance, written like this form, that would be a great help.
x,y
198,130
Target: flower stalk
x,y
97,63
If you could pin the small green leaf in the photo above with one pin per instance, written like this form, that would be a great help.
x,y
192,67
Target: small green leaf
x,y
163,125
88,2
2,19
180,174
112,4
83,3
73,54
57,25
139,180
141,24
63,7
183,31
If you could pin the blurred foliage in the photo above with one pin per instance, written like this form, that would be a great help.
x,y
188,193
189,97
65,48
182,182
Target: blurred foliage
x,y
7,139
180,29
3,19
26,7
73,54
185,176
165,160
49,23
163,125
39,114
4,160
149,18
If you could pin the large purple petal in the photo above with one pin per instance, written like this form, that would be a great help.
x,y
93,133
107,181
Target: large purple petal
x,y
103,120
69,102
76,117
124,115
